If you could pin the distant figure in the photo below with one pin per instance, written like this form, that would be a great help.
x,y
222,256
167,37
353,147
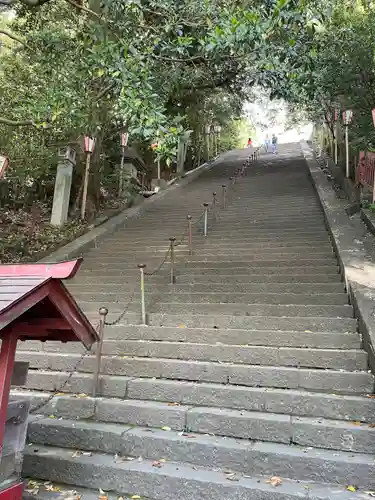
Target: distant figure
x,y
274,144
267,143
249,142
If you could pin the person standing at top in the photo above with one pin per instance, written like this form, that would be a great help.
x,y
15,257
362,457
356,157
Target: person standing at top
x,y
267,143
249,142
274,144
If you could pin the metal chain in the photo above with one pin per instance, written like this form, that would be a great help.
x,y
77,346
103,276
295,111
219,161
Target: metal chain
x,y
119,318
160,265
63,385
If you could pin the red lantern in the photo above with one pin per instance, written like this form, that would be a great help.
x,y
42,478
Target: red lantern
x,y
89,144
347,116
124,140
4,162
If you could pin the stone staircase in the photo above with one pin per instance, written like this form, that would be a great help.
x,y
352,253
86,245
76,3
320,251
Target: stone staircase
x,y
249,381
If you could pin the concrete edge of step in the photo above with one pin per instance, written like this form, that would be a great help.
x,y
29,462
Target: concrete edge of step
x,y
91,238
353,262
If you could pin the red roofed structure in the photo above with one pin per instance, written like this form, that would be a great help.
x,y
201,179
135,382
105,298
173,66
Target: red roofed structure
x,y
35,305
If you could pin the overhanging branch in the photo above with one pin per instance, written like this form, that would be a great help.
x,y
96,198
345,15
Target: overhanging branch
x,y
12,36
15,123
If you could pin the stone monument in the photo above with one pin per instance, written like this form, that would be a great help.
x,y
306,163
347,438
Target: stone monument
x,y
63,183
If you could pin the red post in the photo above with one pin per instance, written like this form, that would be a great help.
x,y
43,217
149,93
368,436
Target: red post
x,y
7,355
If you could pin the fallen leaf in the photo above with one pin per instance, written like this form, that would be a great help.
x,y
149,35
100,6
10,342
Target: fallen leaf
x,y
233,477
60,394
371,425
173,404
166,428
51,487
371,396
103,497
308,331
157,464
135,497
82,395
351,488
274,481
181,326
356,423
51,416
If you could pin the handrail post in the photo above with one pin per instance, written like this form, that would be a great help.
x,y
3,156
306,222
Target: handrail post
x,y
141,268
224,195
214,204
190,235
173,275
103,311
205,224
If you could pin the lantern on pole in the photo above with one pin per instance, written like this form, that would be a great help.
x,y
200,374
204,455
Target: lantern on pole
x,y
373,116
4,162
208,130
89,144
347,117
154,147
124,144
335,119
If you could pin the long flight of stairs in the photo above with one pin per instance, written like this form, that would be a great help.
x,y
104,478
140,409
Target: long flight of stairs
x,y
249,381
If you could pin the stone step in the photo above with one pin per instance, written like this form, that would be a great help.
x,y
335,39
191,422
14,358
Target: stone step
x,y
108,299
315,324
103,471
115,278
206,484
337,381
222,261
115,339
300,338
247,310
290,240
257,426
222,269
225,246
348,359
182,251
123,291
296,402
292,402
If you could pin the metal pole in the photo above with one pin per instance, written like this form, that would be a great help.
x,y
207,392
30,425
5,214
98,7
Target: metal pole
x,y
173,275
85,186
347,150
205,227
214,204
141,267
190,235
336,152
103,311
224,195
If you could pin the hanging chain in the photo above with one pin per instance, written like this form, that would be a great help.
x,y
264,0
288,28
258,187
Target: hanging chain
x,y
63,385
119,318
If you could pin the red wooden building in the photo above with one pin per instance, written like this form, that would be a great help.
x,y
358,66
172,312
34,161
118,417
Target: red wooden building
x,y
34,305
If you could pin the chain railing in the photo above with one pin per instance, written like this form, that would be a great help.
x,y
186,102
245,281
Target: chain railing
x,y
169,257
